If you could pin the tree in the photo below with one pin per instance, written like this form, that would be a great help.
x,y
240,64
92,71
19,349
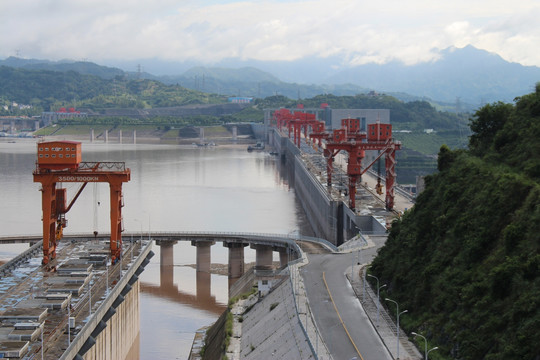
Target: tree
x,y
487,121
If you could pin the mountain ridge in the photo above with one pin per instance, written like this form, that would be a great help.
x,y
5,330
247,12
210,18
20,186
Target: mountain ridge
x,y
465,77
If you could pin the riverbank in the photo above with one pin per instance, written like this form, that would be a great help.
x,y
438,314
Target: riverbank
x,y
153,134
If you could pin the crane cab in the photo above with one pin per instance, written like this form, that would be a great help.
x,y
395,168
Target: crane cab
x,y
58,155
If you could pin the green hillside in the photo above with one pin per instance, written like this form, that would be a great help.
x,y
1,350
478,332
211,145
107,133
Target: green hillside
x,y
465,260
48,90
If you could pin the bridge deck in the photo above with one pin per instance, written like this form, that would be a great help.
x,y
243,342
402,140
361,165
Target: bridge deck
x,y
243,237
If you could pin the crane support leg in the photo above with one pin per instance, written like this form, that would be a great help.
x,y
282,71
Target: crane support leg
x,y
48,204
116,221
390,165
352,191
329,167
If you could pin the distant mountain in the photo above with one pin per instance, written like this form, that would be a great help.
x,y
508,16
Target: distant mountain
x,y
244,81
468,76
313,70
472,75
82,67
460,79
247,74
251,82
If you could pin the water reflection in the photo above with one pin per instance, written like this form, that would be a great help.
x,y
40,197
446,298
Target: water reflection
x,y
167,289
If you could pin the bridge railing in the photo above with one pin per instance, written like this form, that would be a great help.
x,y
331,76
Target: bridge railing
x,y
312,333
11,264
156,234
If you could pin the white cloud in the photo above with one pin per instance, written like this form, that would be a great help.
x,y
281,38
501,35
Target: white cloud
x,y
360,31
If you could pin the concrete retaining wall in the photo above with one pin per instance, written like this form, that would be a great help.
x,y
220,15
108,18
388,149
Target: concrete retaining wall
x,y
243,285
259,130
215,337
271,329
323,213
114,327
115,341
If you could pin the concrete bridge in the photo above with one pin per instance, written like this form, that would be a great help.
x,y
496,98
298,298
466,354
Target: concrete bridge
x,y
97,330
263,243
14,124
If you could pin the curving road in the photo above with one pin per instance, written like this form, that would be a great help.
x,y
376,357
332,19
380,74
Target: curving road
x,y
349,334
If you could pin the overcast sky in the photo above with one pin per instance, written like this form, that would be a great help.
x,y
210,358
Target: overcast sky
x,y
357,30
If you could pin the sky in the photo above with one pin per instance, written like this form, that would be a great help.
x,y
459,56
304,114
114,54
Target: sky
x,y
356,31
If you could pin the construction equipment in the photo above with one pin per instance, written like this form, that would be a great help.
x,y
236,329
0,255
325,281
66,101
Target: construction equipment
x,y
350,138
60,162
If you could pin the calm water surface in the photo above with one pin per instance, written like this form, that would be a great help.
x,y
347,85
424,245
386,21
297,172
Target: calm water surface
x,y
171,189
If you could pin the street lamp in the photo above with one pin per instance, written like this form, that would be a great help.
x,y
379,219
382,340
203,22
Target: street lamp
x,y
378,291
398,315
90,298
425,343
69,322
140,222
430,350
364,272
107,272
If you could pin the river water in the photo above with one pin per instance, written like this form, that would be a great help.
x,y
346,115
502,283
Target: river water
x,y
172,188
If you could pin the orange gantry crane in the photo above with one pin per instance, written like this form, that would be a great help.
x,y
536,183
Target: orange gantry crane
x,y
60,162
351,139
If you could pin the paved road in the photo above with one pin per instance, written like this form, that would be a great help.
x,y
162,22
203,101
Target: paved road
x,y
367,344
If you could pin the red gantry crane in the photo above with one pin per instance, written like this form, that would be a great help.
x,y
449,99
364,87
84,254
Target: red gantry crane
x,y
60,162
295,123
349,138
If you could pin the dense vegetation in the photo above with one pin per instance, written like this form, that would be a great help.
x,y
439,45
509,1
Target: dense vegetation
x,y
465,260
49,90
162,121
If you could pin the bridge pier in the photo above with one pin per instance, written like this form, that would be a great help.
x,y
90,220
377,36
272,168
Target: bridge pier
x,y
283,255
120,136
203,254
263,256
166,261
236,260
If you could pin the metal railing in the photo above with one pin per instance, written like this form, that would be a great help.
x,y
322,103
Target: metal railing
x,y
315,342
156,235
102,166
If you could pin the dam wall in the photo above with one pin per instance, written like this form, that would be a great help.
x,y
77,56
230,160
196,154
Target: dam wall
x,y
324,214
330,218
113,329
259,131
121,331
